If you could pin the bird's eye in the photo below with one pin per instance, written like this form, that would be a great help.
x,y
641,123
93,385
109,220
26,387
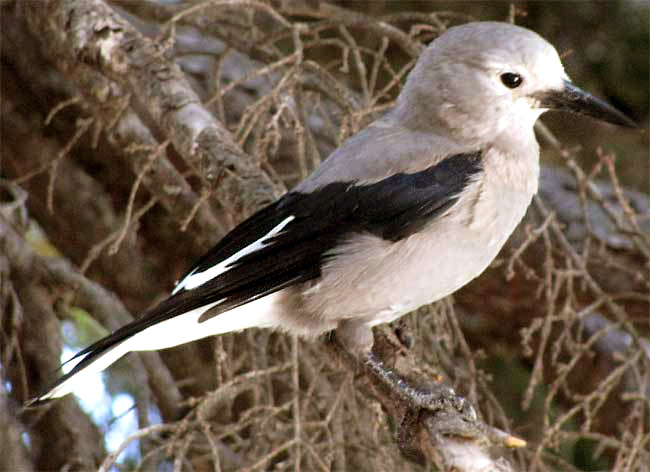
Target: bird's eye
x,y
511,79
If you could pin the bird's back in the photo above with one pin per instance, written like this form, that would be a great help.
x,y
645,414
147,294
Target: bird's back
x,y
382,149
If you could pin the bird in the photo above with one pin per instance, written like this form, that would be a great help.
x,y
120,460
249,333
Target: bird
x,y
405,212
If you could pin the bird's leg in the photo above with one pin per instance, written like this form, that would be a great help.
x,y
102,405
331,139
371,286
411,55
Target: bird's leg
x,y
357,339
435,396
428,406
437,405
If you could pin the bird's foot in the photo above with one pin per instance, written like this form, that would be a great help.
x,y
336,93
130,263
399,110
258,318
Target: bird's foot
x,y
436,396
443,409
356,339
433,420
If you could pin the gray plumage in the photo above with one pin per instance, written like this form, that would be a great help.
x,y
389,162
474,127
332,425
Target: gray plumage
x,y
405,212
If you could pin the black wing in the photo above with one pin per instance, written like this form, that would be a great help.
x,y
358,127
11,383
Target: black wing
x,y
392,208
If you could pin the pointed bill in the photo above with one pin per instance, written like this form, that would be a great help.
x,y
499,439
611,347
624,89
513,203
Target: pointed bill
x,y
573,99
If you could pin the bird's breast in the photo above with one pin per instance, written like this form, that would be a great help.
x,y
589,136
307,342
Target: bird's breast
x,y
382,280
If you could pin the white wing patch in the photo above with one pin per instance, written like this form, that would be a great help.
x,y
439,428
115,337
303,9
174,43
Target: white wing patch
x,y
195,279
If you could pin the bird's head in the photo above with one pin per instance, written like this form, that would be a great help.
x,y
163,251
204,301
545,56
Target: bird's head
x,y
479,80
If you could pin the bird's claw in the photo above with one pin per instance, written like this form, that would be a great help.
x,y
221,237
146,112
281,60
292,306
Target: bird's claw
x,y
438,397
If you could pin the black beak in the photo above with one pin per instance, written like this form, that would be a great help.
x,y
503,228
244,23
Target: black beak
x,y
573,99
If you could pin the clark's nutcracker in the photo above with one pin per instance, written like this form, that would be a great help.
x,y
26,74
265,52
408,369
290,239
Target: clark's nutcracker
x,y
405,212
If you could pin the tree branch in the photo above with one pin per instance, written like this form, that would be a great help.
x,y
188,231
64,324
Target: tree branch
x,y
89,32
